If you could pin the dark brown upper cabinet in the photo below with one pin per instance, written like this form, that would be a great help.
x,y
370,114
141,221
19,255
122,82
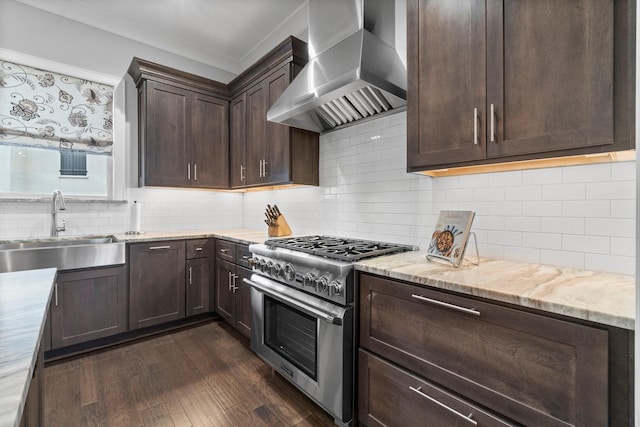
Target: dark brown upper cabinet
x,y
493,81
265,153
183,127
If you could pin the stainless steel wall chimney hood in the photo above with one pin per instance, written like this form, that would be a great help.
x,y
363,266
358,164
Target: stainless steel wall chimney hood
x,y
354,71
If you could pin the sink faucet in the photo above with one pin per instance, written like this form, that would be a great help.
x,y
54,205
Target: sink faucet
x,y
57,203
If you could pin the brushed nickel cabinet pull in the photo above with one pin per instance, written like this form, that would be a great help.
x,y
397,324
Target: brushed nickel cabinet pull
x,y
195,172
443,406
475,126
189,171
155,248
447,305
264,168
224,251
241,172
55,293
493,123
198,249
190,277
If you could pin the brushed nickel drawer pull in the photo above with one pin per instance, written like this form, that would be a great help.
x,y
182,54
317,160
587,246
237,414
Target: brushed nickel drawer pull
x,y
224,251
475,126
198,249
493,123
447,305
154,248
443,406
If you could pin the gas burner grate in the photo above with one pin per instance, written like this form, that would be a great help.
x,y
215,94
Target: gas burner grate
x,y
343,249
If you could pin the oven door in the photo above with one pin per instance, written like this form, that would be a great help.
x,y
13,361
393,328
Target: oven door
x,y
307,340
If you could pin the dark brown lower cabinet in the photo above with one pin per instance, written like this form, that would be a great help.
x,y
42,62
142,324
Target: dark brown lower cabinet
x,y
33,412
243,302
390,396
88,304
520,365
197,291
233,296
156,283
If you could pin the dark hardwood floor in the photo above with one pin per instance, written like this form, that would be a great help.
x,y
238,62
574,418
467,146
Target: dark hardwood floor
x,y
202,376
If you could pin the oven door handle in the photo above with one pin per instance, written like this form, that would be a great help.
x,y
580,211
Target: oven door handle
x,y
332,318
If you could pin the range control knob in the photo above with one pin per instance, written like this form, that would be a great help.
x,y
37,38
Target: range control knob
x,y
322,284
309,279
335,288
276,270
289,272
266,267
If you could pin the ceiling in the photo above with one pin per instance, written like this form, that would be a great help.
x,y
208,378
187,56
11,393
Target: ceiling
x,y
226,34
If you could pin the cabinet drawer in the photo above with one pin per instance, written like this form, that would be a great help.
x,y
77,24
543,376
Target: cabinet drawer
x,y
390,396
226,250
243,255
197,248
528,367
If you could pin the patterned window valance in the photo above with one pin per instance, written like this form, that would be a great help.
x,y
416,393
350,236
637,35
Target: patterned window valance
x,y
49,110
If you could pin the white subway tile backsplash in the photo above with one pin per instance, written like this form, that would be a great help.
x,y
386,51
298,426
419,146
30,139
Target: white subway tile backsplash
x,y
594,173
586,208
615,227
611,190
563,192
563,258
542,176
624,246
614,264
591,244
623,209
542,240
542,208
623,171
562,225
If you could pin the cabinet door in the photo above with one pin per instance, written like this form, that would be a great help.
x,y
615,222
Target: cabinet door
x,y
278,157
550,75
87,305
389,396
156,283
165,135
256,151
210,138
225,298
238,140
197,291
530,368
243,302
447,77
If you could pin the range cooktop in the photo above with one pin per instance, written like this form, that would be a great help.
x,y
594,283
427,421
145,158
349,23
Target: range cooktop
x,y
338,248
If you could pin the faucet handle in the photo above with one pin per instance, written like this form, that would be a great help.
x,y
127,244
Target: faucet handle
x,y
64,225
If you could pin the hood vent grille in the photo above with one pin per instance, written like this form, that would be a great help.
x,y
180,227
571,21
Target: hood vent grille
x,y
357,105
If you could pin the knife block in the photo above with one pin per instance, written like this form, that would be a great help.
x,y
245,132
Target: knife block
x,y
281,228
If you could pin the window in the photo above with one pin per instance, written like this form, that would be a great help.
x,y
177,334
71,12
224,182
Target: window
x,y
56,132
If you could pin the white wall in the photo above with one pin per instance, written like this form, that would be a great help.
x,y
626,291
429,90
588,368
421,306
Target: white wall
x,y
35,32
581,216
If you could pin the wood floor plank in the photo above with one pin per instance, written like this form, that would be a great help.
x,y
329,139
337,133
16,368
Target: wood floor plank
x,y
88,393
157,416
201,376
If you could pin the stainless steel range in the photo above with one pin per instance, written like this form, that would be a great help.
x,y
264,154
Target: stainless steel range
x,y
302,313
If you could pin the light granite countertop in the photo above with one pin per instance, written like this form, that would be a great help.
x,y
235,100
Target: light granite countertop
x,y
24,298
600,297
238,235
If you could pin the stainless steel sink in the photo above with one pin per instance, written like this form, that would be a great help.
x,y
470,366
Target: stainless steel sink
x,y
62,253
